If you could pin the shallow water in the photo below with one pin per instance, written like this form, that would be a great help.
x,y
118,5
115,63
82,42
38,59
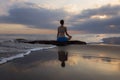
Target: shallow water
x,y
11,49
85,62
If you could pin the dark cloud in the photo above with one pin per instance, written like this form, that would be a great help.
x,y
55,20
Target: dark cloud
x,y
95,25
104,10
99,26
34,17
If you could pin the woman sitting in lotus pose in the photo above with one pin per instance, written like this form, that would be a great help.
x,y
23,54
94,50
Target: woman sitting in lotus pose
x,y
62,31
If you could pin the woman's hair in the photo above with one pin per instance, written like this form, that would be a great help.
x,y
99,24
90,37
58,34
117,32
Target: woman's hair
x,y
61,22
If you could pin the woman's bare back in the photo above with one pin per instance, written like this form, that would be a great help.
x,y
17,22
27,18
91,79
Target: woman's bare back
x,y
61,31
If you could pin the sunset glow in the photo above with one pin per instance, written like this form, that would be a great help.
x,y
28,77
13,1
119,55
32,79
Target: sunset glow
x,y
22,29
100,16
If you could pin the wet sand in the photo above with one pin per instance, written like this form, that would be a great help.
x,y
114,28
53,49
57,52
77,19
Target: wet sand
x,y
75,62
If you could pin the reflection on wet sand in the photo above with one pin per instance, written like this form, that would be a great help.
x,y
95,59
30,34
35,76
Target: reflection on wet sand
x,y
64,63
107,64
63,56
100,62
75,59
103,59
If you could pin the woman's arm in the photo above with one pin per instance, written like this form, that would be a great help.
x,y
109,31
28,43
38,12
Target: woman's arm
x,y
57,32
66,32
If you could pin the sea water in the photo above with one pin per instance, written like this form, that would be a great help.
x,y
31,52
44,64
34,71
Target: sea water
x,y
10,49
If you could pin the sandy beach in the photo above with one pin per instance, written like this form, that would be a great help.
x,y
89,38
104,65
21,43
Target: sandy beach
x,y
75,62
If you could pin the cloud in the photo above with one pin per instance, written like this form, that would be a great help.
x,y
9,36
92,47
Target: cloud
x,y
33,16
5,5
101,20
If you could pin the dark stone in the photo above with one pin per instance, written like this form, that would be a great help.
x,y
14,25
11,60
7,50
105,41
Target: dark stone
x,y
54,42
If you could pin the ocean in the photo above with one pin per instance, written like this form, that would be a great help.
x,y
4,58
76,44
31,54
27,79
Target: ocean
x,y
11,49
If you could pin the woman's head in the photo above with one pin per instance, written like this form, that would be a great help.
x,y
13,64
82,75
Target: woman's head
x,y
62,22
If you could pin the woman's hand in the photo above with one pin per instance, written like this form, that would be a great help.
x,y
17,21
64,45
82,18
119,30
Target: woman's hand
x,y
69,37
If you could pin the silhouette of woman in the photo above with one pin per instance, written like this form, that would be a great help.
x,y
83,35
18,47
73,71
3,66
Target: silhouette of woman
x,y
62,31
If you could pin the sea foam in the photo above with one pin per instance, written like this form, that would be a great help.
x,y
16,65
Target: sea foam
x,y
23,49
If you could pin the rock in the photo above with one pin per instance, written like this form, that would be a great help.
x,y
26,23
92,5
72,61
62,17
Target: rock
x,y
54,42
21,40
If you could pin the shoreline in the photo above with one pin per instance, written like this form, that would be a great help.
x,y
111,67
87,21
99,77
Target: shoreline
x,y
20,55
79,60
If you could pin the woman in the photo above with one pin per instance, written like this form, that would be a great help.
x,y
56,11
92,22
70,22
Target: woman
x,y
62,31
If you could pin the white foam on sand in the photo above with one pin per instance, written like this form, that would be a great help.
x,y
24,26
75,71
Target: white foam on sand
x,y
26,52
4,60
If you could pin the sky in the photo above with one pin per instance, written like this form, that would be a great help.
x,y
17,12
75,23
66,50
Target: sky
x,y
43,16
